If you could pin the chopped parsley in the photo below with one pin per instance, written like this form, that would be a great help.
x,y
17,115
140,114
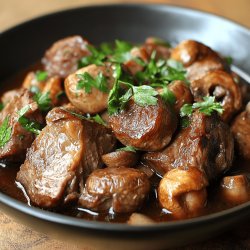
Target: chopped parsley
x,y
159,41
27,124
228,59
43,101
5,132
166,94
143,95
97,118
127,148
207,107
161,71
1,106
41,76
87,82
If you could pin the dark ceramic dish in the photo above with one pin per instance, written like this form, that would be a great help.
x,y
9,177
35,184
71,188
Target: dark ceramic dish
x,y
26,43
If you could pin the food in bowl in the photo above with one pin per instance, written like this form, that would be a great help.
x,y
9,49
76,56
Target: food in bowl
x,y
127,133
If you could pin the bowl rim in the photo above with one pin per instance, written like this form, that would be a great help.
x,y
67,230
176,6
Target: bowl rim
x,y
121,227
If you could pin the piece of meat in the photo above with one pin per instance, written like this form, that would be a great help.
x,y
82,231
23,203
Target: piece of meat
x,y
161,48
221,85
15,149
148,128
197,58
10,95
132,65
93,100
65,152
182,94
122,189
206,144
235,190
183,192
120,159
241,131
61,59
52,86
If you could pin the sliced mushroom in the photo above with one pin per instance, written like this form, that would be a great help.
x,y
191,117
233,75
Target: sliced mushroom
x,y
235,189
120,159
94,100
221,85
197,58
137,219
148,128
183,192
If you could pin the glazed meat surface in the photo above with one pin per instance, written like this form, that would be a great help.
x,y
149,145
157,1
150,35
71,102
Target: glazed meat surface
x,y
61,59
206,144
146,128
20,139
122,189
241,131
62,155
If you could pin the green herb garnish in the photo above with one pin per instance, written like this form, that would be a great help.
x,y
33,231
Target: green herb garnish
x,y
143,96
228,59
43,101
60,95
27,124
41,76
166,94
1,106
5,132
207,107
162,71
127,148
87,82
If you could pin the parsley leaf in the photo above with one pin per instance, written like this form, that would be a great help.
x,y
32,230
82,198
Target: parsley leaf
x,y
159,41
143,96
41,76
162,71
43,100
86,81
206,107
96,57
167,95
1,106
228,59
5,132
127,148
97,118
27,124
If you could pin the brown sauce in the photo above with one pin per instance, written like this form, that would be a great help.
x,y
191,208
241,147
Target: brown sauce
x,y
151,208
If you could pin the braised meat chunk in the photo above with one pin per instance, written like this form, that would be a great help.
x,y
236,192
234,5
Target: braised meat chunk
x,y
19,139
146,128
206,144
122,189
61,59
241,131
65,151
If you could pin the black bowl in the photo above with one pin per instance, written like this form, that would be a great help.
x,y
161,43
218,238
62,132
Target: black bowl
x,y
26,43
